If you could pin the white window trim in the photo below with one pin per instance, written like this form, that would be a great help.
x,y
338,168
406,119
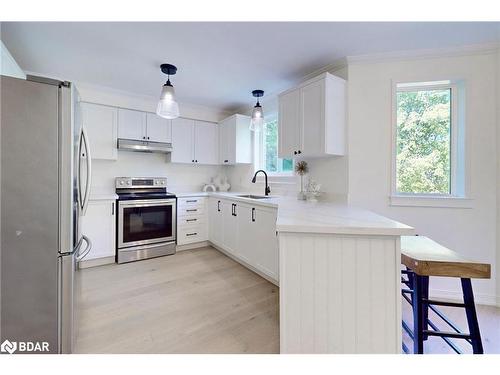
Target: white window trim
x,y
459,196
285,178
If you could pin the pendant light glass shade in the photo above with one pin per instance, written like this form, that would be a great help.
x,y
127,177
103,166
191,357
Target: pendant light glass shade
x,y
167,106
257,121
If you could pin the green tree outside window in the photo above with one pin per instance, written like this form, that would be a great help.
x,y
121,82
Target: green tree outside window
x,y
423,147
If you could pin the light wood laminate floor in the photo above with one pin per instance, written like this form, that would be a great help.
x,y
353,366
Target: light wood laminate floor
x,y
196,301
201,301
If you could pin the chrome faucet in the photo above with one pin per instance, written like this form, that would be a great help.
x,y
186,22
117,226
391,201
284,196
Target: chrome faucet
x,y
267,189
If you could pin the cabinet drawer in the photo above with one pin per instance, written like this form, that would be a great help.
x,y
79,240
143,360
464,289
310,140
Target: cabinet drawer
x,y
191,202
190,211
191,233
189,220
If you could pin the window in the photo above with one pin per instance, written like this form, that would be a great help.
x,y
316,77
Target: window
x,y
267,150
426,143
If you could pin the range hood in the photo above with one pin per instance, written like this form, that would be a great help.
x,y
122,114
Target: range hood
x,y
144,146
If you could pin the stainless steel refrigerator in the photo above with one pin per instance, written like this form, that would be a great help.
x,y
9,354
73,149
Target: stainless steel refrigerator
x,y
45,187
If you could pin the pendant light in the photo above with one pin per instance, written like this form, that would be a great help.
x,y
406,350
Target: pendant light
x,y
167,106
257,121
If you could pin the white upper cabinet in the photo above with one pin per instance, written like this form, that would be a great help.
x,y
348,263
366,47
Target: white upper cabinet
x,y
194,142
206,142
101,124
143,126
158,129
235,140
312,118
289,124
182,141
131,124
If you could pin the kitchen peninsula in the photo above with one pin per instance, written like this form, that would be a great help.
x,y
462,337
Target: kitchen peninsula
x,y
338,268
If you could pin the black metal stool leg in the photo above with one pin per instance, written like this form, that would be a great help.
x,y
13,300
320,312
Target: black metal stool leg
x,y
418,341
425,306
470,311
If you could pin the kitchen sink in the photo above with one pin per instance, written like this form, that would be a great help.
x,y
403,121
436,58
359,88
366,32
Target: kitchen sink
x,y
251,196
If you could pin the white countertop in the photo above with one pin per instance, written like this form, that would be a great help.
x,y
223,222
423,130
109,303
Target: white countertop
x,y
319,217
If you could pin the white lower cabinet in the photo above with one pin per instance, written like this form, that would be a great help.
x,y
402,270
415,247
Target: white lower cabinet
x,y
230,223
98,224
215,221
192,223
247,232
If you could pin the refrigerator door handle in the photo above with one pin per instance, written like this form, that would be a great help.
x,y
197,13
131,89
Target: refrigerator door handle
x,y
86,196
82,254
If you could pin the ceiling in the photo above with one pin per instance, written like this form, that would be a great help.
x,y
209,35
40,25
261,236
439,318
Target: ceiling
x,y
219,63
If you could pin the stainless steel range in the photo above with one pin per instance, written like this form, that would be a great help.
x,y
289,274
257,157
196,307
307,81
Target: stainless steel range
x,y
146,219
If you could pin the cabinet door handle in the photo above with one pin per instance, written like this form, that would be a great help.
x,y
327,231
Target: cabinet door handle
x,y
192,210
191,234
253,214
113,209
188,220
235,210
226,161
192,201
218,206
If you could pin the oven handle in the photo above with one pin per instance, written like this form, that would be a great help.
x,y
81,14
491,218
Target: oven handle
x,y
147,203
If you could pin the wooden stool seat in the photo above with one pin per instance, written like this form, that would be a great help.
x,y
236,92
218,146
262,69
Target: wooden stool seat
x,y
423,258
426,257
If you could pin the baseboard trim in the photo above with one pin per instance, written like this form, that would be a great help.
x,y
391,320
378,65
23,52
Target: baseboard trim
x,y
479,298
190,246
96,262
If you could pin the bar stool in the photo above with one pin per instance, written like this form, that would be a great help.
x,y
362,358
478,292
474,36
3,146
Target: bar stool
x,y
423,258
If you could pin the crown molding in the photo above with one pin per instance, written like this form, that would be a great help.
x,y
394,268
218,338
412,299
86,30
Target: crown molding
x,y
468,50
336,65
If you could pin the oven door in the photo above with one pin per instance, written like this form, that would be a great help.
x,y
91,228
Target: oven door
x,y
142,222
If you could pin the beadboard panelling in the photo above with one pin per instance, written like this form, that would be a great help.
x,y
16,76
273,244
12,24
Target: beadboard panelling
x,y
339,294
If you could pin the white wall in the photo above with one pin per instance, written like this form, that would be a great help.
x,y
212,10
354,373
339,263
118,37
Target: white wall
x,y
471,232
181,177
8,66
498,175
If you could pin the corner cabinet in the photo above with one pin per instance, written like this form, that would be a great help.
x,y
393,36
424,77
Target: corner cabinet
x,y
247,233
101,123
312,118
194,142
235,140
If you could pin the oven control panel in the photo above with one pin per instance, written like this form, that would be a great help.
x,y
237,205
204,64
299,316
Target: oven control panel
x,y
140,182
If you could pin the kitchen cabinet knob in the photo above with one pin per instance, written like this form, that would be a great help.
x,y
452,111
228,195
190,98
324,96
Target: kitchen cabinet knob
x,y
299,152
295,152
196,161
148,137
143,137
192,160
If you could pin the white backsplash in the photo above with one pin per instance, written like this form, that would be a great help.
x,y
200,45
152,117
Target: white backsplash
x,y
180,177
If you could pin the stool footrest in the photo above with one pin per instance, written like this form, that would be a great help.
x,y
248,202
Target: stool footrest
x,y
442,303
453,335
